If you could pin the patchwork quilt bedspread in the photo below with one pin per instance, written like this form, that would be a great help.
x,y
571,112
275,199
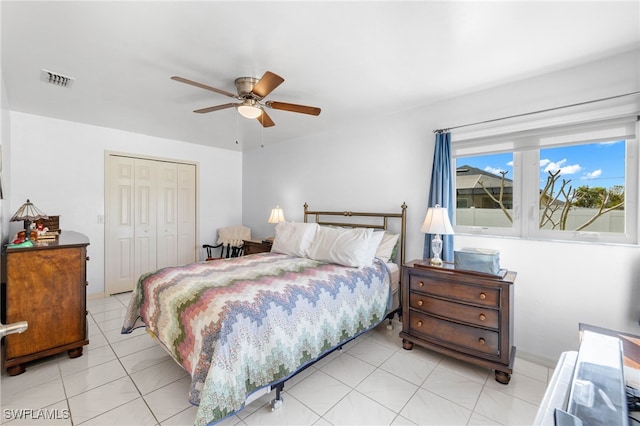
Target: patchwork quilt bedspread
x,y
238,325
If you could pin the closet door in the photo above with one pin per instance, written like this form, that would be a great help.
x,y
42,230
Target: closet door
x,y
167,244
151,218
119,238
187,250
145,236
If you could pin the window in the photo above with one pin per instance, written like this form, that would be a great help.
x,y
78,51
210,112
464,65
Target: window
x,y
575,182
484,190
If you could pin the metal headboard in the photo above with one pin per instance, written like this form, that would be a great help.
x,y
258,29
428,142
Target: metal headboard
x,y
319,218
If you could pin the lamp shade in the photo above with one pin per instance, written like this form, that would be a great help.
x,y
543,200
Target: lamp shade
x,y
277,215
437,221
29,212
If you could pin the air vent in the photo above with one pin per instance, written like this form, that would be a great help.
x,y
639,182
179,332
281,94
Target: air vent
x,y
56,78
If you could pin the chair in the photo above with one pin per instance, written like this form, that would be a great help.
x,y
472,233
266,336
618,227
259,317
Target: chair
x,y
230,242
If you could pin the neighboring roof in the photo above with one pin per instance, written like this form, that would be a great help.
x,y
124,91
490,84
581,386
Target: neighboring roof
x,y
469,177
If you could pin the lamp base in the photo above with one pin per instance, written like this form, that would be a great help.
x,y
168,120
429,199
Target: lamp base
x,y
435,261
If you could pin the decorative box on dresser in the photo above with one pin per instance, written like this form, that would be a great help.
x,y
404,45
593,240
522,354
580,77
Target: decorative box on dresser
x,y
46,286
466,315
256,246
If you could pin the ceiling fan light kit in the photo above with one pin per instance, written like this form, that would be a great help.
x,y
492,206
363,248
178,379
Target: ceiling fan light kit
x,y
251,91
249,109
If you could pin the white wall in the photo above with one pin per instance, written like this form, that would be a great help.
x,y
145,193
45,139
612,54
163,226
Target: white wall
x,y
59,166
377,165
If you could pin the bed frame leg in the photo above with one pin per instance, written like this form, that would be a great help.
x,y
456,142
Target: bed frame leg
x,y
390,316
278,400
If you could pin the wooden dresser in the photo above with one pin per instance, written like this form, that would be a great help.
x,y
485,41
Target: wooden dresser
x,y
256,246
46,286
463,314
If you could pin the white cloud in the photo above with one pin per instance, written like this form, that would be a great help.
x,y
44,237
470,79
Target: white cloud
x,y
544,162
493,170
592,175
564,170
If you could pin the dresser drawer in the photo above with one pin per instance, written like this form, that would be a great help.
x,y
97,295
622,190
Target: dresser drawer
x,y
452,335
478,295
484,317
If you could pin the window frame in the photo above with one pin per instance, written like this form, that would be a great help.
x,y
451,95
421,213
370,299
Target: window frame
x,y
525,141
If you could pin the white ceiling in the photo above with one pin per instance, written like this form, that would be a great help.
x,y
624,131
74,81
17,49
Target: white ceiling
x,y
355,60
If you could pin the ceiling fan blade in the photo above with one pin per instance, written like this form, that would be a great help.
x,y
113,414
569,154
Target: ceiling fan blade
x,y
203,86
266,84
293,107
265,120
215,108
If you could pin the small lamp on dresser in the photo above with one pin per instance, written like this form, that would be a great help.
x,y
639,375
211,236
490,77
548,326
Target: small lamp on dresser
x,y
437,223
28,213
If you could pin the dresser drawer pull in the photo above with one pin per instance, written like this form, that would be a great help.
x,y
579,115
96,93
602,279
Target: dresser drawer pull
x,y
420,303
483,317
483,296
420,284
419,323
482,341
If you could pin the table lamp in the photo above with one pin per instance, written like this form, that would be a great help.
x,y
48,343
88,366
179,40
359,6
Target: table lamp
x,y
277,215
28,213
437,222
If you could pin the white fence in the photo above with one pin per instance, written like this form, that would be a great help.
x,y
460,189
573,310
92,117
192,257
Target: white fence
x,y
612,221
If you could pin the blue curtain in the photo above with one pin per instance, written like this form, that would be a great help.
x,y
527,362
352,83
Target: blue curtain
x,y
441,192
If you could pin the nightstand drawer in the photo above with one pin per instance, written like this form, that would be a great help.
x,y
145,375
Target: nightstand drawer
x,y
478,295
454,335
463,313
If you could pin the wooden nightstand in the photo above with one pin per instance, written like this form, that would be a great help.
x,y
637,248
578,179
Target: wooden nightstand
x,y
256,246
463,314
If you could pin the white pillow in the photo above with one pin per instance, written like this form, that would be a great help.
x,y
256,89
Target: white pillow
x,y
348,247
374,243
387,246
293,238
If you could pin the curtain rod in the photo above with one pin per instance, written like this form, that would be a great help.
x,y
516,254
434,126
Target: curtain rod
x,y
536,112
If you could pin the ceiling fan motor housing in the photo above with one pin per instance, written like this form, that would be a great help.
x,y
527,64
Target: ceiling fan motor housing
x,y
245,85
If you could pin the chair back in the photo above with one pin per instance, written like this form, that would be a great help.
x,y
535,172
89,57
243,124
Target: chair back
x,y
230,242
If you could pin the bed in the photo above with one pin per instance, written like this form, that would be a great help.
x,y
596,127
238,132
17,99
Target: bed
x,y
243,326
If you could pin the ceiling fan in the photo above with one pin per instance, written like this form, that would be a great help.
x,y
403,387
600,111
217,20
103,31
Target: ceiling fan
x,y
251,92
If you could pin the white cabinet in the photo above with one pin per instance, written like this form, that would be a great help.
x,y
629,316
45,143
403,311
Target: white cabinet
x,y
150,218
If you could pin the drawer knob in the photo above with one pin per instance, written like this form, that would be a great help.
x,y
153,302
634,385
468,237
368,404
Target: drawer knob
x,y
483,296
419,323
420,303
482,341
482,317
420,284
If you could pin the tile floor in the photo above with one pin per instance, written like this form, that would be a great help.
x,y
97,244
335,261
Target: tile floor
x,y
130,380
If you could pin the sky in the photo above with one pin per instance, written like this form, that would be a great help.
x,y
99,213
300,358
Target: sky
x,y
594,165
